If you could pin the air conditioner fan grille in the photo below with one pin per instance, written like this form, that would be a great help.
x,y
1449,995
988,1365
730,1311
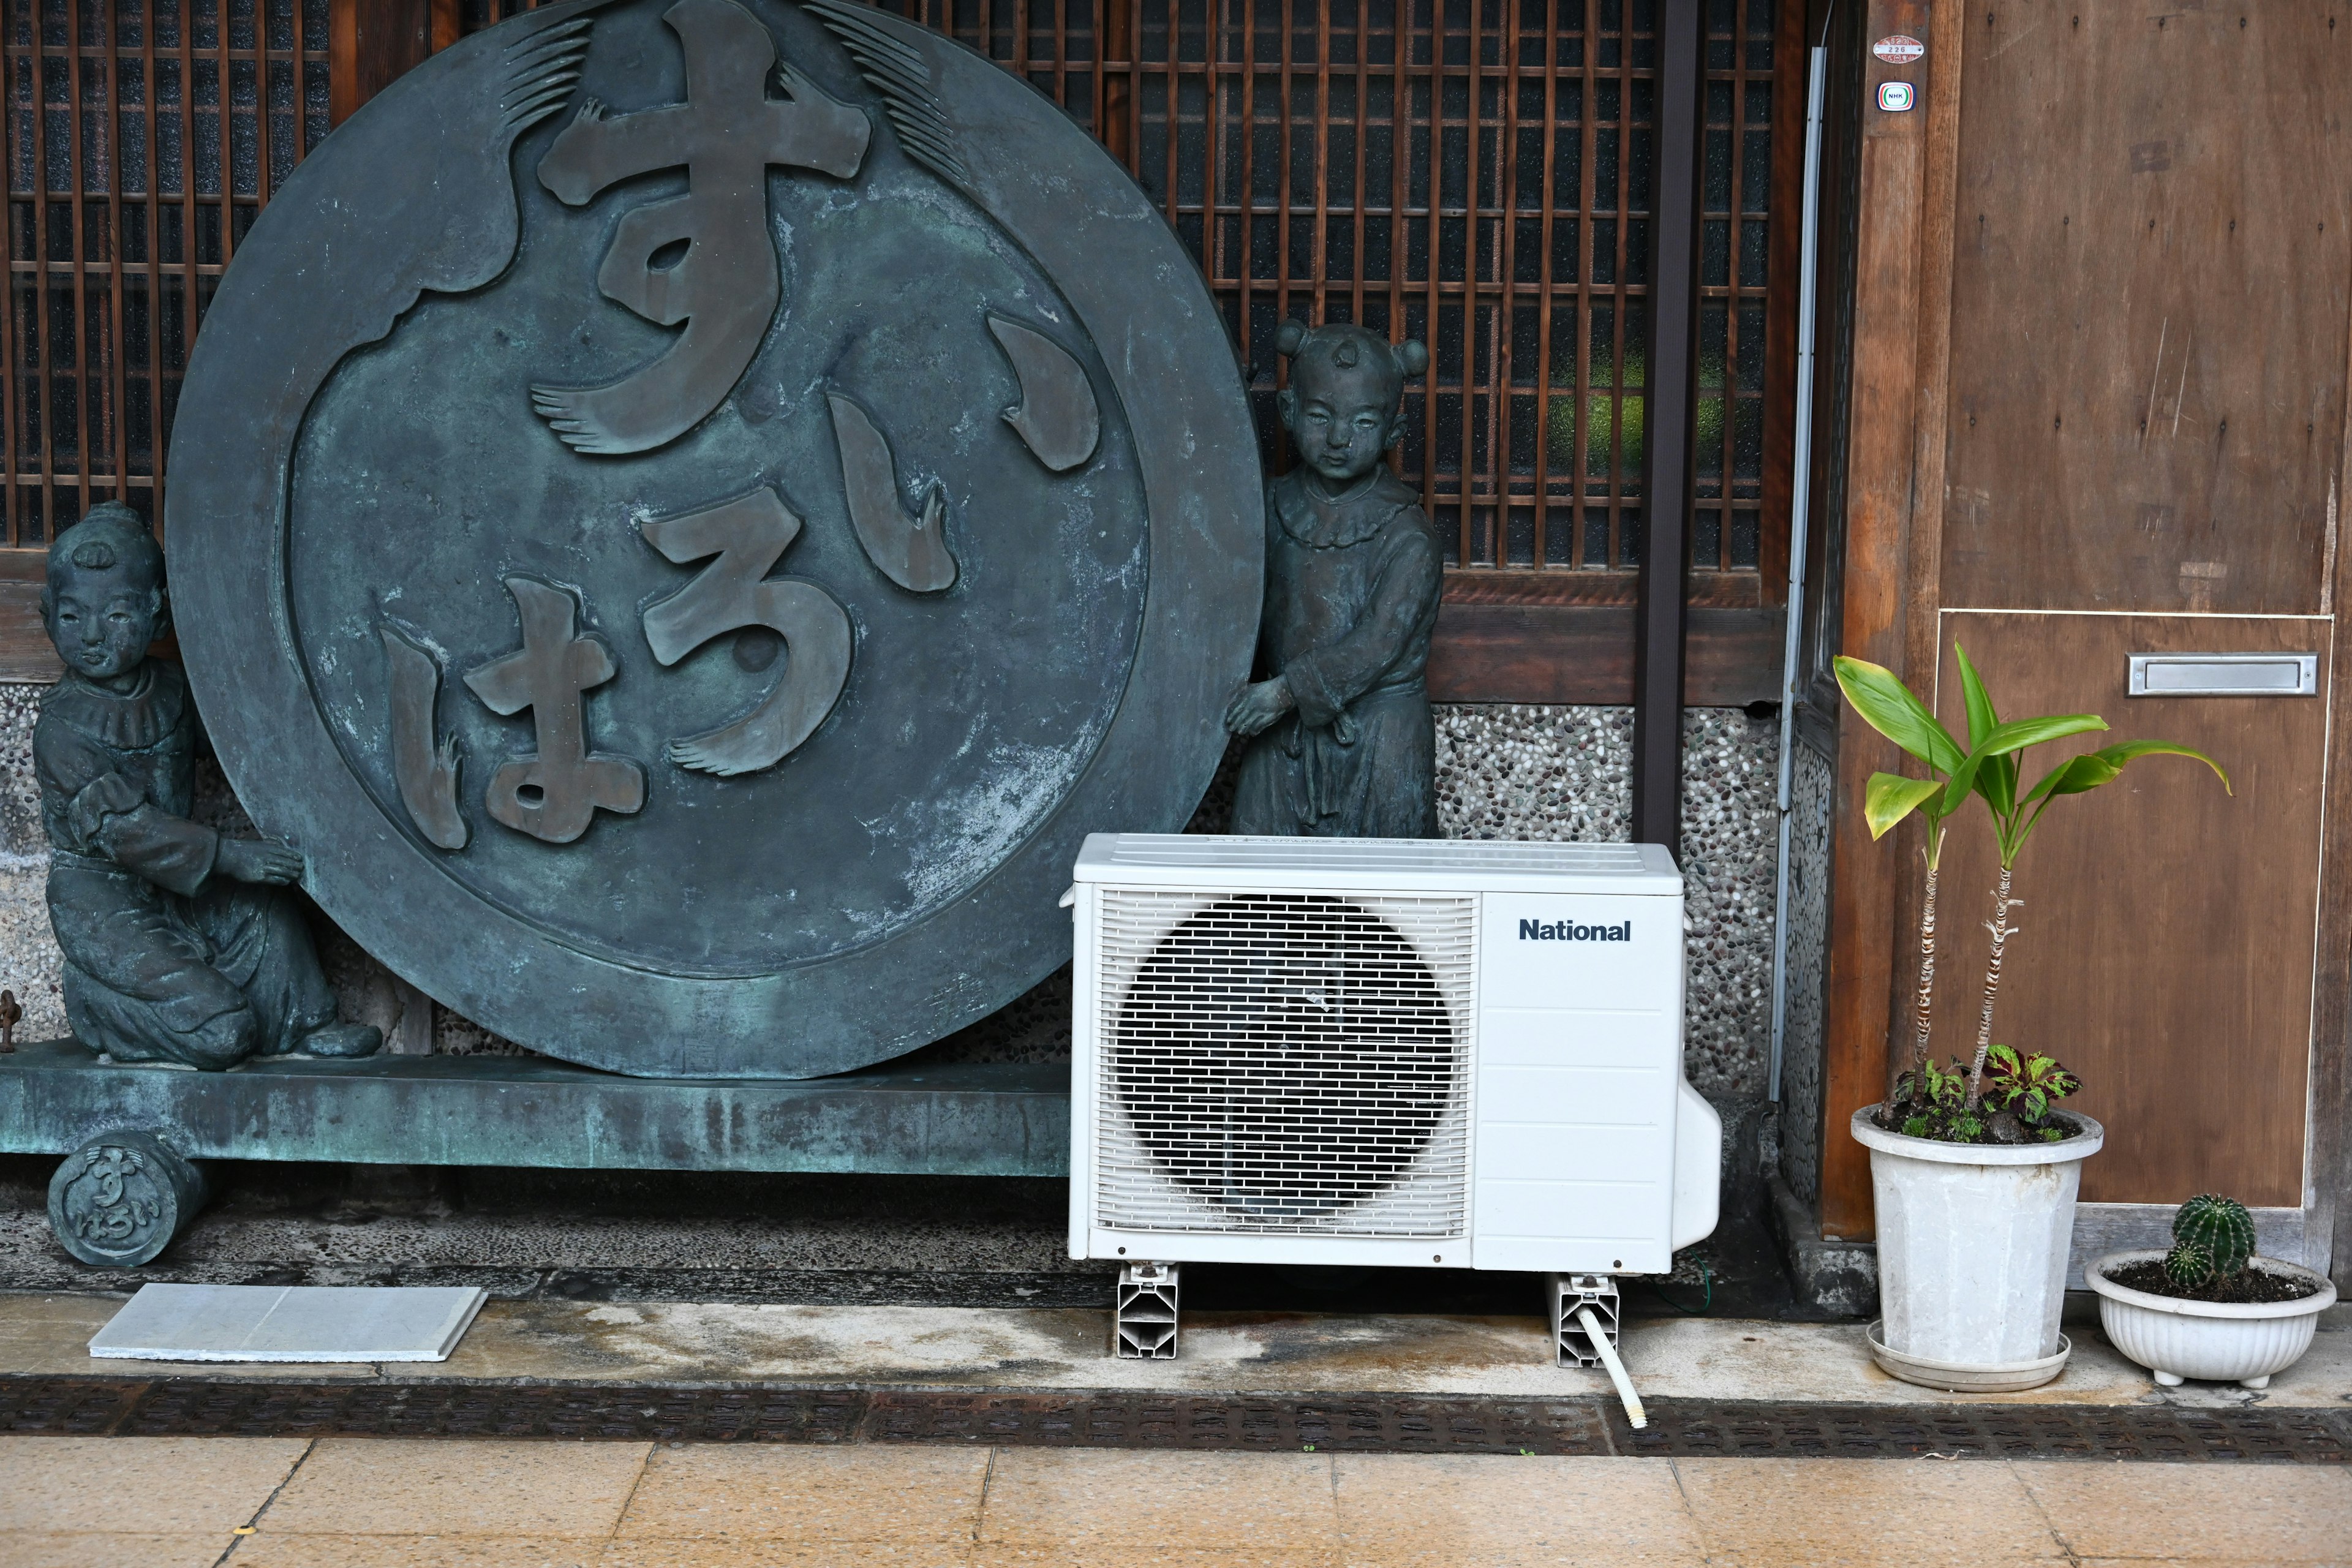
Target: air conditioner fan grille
x,y
1284,1063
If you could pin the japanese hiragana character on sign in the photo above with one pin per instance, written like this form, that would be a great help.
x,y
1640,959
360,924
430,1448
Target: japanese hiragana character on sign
x,y
554,793
749,534
725,134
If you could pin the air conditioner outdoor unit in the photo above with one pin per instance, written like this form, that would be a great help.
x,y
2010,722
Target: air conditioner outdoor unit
x,y
1436,1053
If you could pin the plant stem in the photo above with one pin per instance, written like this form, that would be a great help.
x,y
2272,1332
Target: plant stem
x,y
2002,931
1926,953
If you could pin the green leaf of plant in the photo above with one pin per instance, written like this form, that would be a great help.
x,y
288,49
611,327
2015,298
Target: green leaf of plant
x,y
1990,768
2019,734
1997,781
2072,776
2124,752
2088,771
1989,774
1963,780
1887,706
1891,797
1982,720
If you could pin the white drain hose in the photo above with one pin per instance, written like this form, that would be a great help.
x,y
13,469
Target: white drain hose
x,y
1616,1368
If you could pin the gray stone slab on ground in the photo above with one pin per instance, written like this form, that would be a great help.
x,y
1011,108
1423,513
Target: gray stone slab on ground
x,y
290,1323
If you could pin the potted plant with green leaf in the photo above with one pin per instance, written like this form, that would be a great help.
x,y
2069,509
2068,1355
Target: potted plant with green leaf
x,y
1974,1168
2210,1308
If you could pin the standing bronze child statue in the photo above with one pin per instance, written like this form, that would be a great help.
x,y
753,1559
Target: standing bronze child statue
x,y
1345,746
180,945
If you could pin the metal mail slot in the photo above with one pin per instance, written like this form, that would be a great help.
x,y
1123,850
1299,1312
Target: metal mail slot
x,y
2225,675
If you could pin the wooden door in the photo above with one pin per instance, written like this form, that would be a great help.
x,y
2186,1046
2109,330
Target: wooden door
x,y
2165,945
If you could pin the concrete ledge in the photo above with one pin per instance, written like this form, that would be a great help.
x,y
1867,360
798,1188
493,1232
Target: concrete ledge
x,y
701,1344
968,1120
1835,1277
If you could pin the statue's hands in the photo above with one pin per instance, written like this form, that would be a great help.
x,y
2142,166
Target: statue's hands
x,y
259,860
1256,706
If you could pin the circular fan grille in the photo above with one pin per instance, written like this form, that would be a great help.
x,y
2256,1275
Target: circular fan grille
x,y
1284,1056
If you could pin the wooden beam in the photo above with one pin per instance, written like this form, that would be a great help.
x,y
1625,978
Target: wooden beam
x,y
25,650
1783,262
1902,311
1115,126
1584,653
1483,652
1673,374
370,43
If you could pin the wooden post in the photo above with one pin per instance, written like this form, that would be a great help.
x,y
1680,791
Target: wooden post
x,y
1893,530
1661,596
1116,65
370,42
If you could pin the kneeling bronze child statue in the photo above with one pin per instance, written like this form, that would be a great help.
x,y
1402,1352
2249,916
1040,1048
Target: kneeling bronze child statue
x,y
180,945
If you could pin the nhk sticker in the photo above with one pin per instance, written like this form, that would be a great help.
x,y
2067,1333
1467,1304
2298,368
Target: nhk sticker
x,y
1896,97
1898,49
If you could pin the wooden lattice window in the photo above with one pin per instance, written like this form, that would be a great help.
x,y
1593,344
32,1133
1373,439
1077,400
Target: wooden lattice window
x,y
142,138
1483,165
1477,173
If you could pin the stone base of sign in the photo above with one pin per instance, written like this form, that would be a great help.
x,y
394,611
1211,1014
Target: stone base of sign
x,y
981,1119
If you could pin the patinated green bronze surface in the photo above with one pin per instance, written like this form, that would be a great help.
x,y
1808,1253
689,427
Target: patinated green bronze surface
x,y
1344,743
179,945
687,514
979,1120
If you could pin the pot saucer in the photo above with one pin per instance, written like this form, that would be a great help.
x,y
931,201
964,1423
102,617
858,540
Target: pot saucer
x,y
1953,1377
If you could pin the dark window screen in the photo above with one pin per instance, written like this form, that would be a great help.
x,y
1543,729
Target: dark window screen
x,y
1477,173
140,141
1474,173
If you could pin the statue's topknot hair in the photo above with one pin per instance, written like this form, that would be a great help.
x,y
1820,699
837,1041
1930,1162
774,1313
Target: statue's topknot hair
x,y
1345,347
110,535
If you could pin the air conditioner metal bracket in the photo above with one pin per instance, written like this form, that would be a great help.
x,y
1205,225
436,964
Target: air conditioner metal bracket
x,y
1143,1324
1570,1338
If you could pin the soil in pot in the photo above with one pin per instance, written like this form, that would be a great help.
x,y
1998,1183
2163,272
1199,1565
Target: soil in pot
x,y
1999,1129
2249,1287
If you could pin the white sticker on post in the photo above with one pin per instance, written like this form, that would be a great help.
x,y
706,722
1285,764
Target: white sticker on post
x,y
1896,97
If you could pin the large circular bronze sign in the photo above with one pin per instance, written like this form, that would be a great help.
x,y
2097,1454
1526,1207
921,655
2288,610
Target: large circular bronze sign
x,y
688,513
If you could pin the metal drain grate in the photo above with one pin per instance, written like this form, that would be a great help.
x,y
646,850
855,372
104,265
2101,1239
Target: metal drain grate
x,y
569,1410
1693,1428
64,1407
1379,1424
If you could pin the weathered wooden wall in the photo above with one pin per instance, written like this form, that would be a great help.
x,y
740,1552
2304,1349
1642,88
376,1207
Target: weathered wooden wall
x,y
2103,308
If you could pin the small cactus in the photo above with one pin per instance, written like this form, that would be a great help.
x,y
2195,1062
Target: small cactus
x,y
2218,1227
2187,1265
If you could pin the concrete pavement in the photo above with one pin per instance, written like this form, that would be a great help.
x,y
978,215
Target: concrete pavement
x,y
131,1502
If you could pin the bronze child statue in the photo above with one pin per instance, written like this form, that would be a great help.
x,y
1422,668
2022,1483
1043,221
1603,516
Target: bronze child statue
x,y
180,945
1344,745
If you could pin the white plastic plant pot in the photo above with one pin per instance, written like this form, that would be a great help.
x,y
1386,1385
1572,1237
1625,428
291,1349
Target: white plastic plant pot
x,y
1972,1244
2213,1341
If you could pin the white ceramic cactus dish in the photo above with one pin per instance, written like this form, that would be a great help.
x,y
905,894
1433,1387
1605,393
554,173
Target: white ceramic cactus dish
x,y
2209,1308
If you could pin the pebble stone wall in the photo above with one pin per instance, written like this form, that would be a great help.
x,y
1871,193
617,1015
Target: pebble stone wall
x,y
1566,773
1810,783
1504,772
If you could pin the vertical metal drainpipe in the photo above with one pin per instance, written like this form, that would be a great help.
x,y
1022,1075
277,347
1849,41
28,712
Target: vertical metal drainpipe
x,y
1800,507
